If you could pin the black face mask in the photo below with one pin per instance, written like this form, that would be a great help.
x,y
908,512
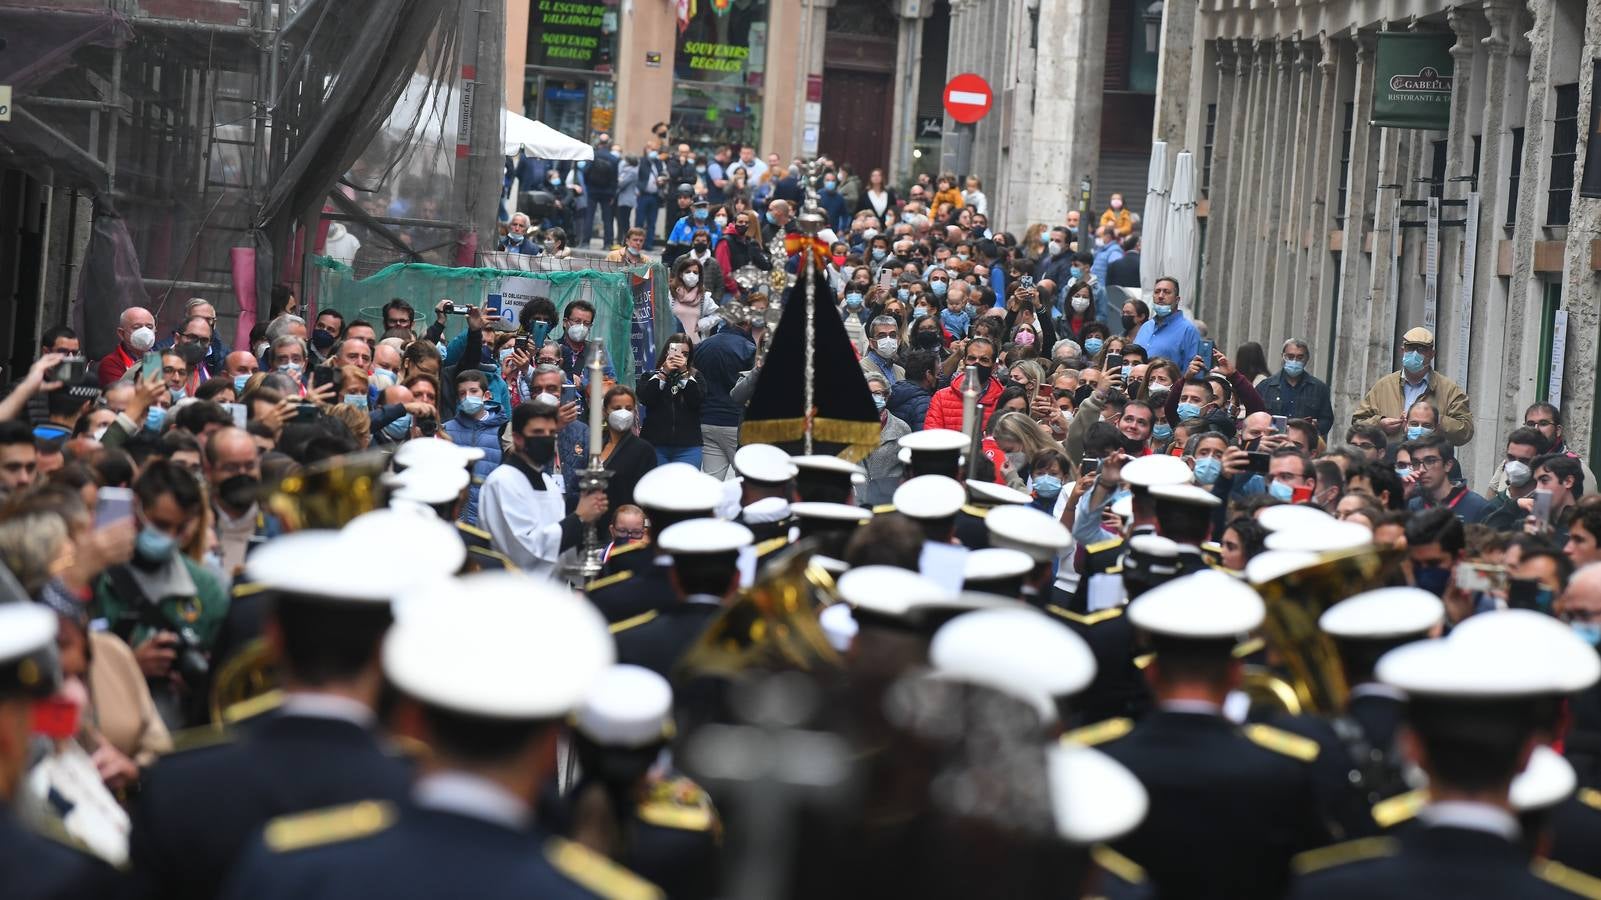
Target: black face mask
x,y
926,340
984,373
699,248
239,491
322,340
540,450
1128,322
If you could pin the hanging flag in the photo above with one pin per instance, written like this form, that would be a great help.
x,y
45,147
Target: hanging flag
x,y
685,11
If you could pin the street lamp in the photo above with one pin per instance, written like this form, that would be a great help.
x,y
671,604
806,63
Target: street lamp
x,y
1153,25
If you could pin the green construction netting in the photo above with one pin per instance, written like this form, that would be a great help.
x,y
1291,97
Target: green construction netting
x,y
627,302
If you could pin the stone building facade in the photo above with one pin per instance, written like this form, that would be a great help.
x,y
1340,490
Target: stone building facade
x,y
1303,197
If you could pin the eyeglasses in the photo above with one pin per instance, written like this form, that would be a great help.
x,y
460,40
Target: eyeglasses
x,y
174,370
1542,423
637,534
1363,445
397,323
196,338
1427,462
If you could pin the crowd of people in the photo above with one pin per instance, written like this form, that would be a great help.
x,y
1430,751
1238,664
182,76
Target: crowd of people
x,y
1103,611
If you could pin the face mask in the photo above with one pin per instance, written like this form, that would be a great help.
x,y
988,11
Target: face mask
x,y
1093,346
1075,272
1433,579
962,257
1281,491
926,340
1045,238
142,339
472,406
690,279
1162,431
291,369
878,402
1189,411
906,218
1294,367
383,378
1589,632
154,417
1024,339
179,394
322,340
1208,469
939,288
620,420
1413,432
1161,310
1080,304
700,214
1128,322
1517,472
722,221
577,333
984,373
262,348
239,491
154,545
359,401
1054,247
513,237
554,179
919,312
1412,361
583,164
828,184
839,260
1047,486
771,220
1403,471
903,295
699,249
853,301
239,383
540,449
398,429
701,169
886,346
100,433
879,253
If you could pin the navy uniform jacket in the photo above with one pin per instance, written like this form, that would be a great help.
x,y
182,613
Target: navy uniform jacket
x,y
1119,688
627,595
1576,832
1229,806
405,852
659,638
38,868
1460,863
971,532
198,808
673,840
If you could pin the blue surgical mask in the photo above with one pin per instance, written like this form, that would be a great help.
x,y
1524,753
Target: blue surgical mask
x,y
1281,491
1403,471
1208,469
383,377
1162,431
154,545
359,401
903,294
179,394
239,383
1294,367
853,301
1161,310
1413,432
154,417
1434,579
398,429
700,214
1047,486
828,184
879,253
939,288
1589,632
1412,361
879,400
1093,346
472,406
1075,272
919,312
291,369
771,220
1189,411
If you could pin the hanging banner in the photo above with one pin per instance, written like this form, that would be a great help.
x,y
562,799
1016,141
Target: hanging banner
x,y
1412,81
642,335
1431,268
1559,357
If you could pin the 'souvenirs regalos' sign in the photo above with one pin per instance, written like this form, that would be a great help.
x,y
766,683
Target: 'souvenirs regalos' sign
x,y
1412,81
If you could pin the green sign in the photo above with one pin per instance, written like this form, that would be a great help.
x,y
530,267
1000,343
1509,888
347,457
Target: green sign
x,y
1412,81
571,34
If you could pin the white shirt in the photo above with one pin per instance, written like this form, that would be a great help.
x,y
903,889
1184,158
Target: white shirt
x,y
472,796
317,705
1473,816
525,523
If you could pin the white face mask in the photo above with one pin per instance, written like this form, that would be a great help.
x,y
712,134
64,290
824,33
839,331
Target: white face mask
x,y
722,221
577,333
1054,247
1080,304
142,338
886,346
620,420
690,279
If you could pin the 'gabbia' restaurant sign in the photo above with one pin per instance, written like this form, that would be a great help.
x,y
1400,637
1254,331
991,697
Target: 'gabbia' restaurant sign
x,y
1412,81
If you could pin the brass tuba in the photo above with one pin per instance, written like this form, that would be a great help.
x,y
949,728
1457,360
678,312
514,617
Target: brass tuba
x,y
773,625
1308,676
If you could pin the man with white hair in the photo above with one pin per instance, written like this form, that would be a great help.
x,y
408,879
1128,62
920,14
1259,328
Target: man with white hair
x,y
136,336
516,238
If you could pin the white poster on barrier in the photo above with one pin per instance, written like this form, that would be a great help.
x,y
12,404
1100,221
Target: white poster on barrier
x,y
513,293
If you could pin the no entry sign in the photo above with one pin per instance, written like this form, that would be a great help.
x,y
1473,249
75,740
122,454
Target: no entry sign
x,y
968,98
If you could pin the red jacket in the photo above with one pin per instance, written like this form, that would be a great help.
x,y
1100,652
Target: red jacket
x,y
114,365
945,407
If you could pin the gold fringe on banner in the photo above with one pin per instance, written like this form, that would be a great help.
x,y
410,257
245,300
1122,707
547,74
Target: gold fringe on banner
x,y
861,437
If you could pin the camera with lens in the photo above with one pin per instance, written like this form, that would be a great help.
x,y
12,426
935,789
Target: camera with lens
x,y
428,425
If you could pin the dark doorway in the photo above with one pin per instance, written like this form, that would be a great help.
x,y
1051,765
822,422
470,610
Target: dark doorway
x,y
857,108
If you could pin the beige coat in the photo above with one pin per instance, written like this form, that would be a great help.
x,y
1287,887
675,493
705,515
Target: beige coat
x,y
1386,401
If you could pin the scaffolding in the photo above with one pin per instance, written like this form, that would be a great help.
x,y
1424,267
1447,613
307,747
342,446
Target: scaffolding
x,y
167,149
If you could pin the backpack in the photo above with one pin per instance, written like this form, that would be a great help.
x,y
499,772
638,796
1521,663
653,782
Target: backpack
x,y
601,175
